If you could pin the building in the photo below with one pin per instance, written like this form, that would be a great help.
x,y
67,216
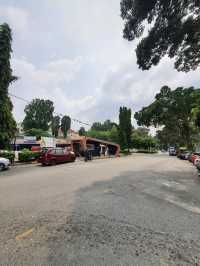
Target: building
x,y
98,147
77,143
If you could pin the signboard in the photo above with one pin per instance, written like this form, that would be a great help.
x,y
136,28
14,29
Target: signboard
x,y
48,142
30,140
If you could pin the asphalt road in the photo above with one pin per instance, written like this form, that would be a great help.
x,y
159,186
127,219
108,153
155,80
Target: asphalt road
x,y
138,210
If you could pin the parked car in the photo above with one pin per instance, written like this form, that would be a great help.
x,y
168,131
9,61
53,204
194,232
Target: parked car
x,y
197,160
197,163
4,163
190,157
194,156
184,155
172,151
53,156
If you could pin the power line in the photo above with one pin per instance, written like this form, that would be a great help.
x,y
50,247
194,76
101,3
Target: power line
x,y
19,98
59,114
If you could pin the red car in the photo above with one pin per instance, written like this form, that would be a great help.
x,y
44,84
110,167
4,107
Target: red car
x,y
53,156
194,156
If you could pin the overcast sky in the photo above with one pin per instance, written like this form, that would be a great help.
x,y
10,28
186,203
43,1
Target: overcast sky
x,y
73,53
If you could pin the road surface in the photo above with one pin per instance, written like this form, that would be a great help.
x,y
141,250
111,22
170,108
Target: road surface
x,y
138,210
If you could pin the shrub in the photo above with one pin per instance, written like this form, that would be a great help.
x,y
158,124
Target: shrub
x,y
8,155
28,156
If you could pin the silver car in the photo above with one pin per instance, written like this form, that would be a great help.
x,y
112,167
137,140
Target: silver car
x,y
4,163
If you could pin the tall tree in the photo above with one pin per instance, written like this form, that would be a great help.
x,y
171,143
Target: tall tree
x,y
55,126
174,111
65,125
97,126
82,131
39,114
174,31
125,127
7,122
108,125
196,116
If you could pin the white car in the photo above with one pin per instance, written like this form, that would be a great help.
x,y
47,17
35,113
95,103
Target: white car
x,y
4,163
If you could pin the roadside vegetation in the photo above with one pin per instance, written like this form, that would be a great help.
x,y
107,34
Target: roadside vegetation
x,y
7,122
140,138
27,156
177,114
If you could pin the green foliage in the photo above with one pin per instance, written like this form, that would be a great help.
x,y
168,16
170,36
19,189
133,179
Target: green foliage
x,y
82,131
103,135
65,125
38,133
28,156
55,126
111,135
174,31
142,140
172,110
196,115
107,130
106,126
39,114
8,154
7,122
169,137
114,135
125,128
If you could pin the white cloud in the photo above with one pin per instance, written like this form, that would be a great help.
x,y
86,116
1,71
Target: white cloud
x,y
49,82
17,18
73,53
126,85
52,74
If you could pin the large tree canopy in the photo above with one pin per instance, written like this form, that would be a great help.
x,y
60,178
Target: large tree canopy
x,y
39,114
7,122
174,31
172,110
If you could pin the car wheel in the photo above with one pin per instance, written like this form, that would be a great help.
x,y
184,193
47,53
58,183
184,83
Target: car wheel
x,y
2,166
53,162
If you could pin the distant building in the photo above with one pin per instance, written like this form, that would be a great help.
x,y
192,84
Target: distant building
x,y
77,143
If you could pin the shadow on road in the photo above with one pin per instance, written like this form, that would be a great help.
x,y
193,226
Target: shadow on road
x,y
128,221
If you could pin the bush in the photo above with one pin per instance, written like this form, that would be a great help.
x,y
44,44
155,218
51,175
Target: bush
x,y
28,156
8,155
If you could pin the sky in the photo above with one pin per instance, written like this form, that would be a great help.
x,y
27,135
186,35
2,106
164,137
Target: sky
x,y
73,53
